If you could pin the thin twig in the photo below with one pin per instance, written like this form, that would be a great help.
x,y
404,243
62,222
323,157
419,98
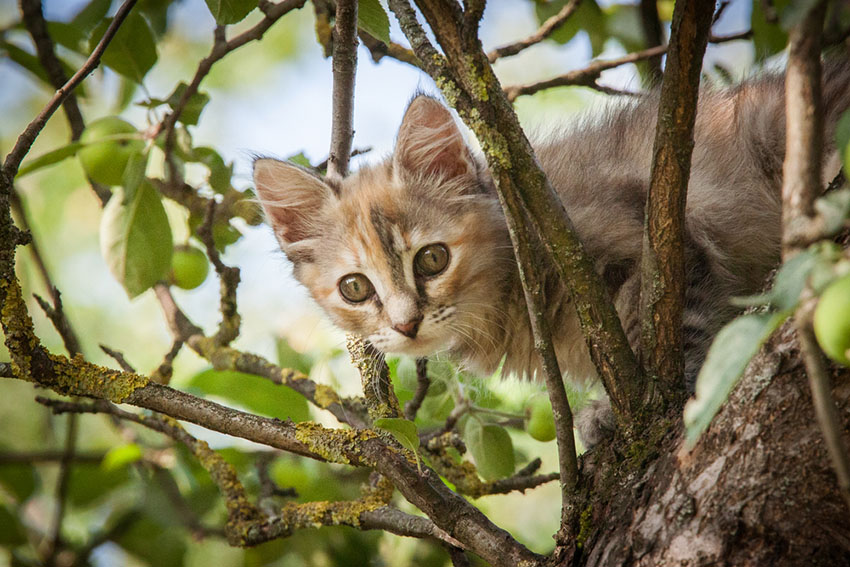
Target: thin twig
x,y
546,29
118,357
163,372
34,21
378,50
422,385
60,321
344,67
229,278
28,136
54,538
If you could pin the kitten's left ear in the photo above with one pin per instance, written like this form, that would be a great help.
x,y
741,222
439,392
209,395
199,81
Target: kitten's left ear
x,y
429,141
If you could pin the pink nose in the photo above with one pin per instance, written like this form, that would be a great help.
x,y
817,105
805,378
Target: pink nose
x,y
410,328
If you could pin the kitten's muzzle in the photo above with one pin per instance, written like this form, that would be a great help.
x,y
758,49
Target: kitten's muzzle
x,y
410,328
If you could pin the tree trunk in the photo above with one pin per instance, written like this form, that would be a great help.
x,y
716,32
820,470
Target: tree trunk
x,y
758,489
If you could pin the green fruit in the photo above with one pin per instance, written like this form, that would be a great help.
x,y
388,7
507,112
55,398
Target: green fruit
x,y
541,422
189,267
104,161
832,321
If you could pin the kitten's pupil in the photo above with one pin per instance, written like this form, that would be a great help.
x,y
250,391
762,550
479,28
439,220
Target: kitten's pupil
x,y
356,288
431,260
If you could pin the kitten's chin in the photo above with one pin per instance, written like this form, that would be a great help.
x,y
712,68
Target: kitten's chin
x,y
418,347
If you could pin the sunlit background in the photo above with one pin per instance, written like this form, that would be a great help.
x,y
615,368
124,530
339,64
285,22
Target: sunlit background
x,y
273,98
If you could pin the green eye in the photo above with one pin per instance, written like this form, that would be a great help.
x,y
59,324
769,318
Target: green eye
x,y
431,260
356,288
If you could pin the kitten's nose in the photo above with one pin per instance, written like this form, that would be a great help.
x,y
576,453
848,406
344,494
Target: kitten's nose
x,y
410,328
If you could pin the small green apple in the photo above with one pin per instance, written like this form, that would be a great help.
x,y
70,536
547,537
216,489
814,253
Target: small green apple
x,y
832,320
189,266
104,160
541,422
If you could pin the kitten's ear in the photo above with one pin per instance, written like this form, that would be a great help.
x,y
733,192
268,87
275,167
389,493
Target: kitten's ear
x,y
291,197
429,141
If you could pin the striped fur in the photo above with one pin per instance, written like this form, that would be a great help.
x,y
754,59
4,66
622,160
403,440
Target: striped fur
x,y
432,190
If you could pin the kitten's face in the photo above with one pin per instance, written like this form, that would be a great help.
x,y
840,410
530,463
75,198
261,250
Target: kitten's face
x,y
410,254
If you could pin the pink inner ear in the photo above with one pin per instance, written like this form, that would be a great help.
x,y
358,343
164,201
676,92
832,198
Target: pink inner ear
x,y
430,141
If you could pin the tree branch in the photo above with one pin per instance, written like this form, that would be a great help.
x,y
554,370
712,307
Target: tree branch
x,y
344,68
28,136
546,29
662,295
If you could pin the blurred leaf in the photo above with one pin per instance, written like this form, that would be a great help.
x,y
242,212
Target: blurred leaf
x,y
88,482
158,545
156,12
19,479
26,60
768,38
132,52
795,12
588,17
730,353
220,173
134,172
623,22
11,531
300,159
834,208
69,36
403,430
491,448
120,456
253,392
787,285
51,157
90,16
135,238
230,11
194,106
372,19
224,234
288,357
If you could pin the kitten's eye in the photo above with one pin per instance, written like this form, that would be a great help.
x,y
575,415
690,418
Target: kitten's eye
x,y
356,288
431,260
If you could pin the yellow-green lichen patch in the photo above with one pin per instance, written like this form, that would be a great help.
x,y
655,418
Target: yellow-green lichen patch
x,y
584,526
477,81
80,378
333,445
325,396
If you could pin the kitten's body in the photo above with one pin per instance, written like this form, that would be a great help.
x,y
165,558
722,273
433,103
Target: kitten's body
x,y
433,191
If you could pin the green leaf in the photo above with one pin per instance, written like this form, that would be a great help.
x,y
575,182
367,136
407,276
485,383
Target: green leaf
x,y
768,38
50,158
842,139
730,353
132,52
230,11
220,173
19,479
121,456
89,483
90,16
492,449
588,17
26,60
158,545
403,430
288,357
252,392
796,12
194,106
135,238
372,19
68,35
834,208
11,531
787,285
300,159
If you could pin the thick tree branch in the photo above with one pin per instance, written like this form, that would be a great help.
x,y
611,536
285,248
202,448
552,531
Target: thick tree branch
x,y
800,187
663,279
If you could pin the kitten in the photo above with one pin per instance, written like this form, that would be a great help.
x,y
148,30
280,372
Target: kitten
x,y
414,254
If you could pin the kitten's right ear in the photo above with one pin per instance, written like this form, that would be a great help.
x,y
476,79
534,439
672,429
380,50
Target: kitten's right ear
x,y
291,197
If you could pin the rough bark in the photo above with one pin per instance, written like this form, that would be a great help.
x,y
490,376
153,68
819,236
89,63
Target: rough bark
x,y
758,489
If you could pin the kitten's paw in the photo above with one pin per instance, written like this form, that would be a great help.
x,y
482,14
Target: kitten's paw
x,y
595,422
